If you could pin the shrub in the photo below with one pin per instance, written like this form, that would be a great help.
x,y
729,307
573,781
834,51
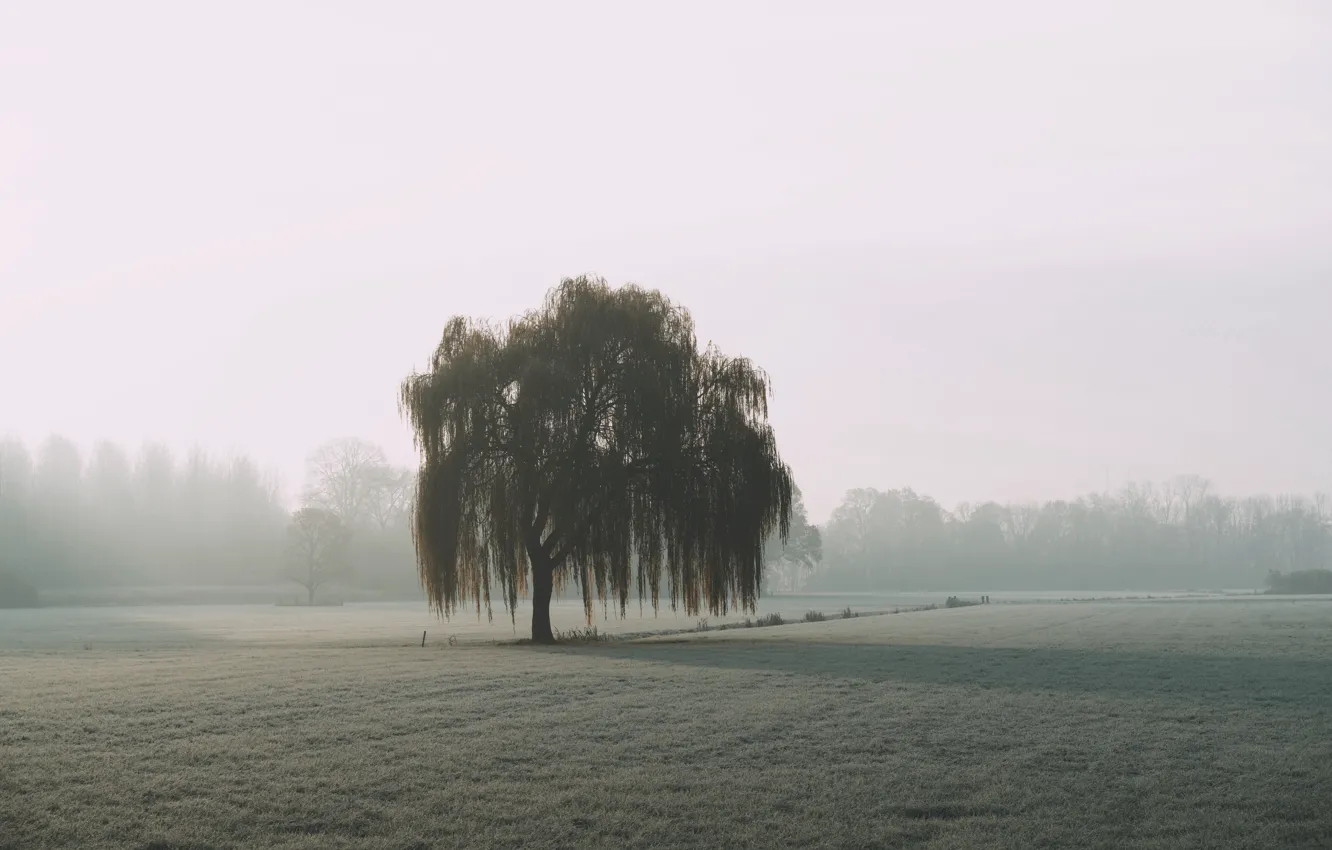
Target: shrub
x,y
814,617
847,613
954,602
16,592
773,619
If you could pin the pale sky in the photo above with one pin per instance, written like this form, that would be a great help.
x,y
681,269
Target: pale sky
x,y
989,250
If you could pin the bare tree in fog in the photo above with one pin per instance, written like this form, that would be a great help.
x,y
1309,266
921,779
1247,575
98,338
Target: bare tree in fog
x,y
352,479
317,549
342,477
391,498
583,434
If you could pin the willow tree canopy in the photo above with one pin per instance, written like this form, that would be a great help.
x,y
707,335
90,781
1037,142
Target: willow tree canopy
x,y
591,441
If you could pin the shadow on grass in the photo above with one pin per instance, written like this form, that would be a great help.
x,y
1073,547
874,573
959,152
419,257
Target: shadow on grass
x,y
1272,680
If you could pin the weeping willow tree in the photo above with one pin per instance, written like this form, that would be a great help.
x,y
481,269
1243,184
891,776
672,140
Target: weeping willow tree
x,y
590,442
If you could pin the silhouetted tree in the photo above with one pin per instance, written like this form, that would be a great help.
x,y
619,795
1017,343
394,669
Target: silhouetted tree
x,y
591,441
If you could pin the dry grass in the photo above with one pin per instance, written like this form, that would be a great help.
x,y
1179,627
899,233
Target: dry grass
x,y
1153,725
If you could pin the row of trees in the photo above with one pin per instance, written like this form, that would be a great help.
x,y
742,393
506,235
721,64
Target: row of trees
x,y
1178,535
151,519
67,521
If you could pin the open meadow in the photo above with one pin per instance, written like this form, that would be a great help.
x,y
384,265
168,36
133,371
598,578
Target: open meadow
x,y
1116,724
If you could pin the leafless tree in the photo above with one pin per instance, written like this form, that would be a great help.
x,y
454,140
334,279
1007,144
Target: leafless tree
x,y
342,477
318,549
391,497
1019,522
1142,501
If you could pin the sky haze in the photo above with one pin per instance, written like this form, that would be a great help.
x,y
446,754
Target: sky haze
x,y
991,251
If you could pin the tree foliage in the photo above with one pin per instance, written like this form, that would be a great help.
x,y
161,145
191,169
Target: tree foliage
x,y
591,441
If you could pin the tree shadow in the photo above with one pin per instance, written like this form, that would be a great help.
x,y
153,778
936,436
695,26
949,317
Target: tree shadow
x,y
1273,681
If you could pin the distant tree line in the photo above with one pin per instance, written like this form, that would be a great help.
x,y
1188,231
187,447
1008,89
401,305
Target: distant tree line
x,y
114,519
1176,536
70,522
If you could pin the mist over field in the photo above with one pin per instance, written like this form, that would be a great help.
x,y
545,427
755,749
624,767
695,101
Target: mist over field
x,y
758,424
1012,254
153,527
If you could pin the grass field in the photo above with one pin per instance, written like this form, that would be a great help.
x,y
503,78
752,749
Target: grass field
x,y
1162,724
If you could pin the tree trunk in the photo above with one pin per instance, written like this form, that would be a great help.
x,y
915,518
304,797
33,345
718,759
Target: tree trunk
x,y
543,585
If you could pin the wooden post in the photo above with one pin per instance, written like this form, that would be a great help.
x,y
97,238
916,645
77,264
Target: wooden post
x,y
422,638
